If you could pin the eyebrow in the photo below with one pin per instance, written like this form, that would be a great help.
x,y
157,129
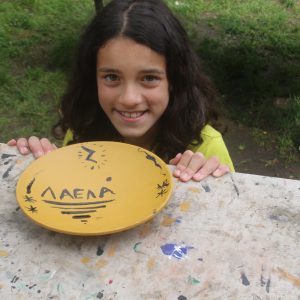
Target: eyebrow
x,y
107,70
153,71
145,71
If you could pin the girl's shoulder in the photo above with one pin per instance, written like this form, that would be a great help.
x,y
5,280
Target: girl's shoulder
x,y
213,145
209,132
68,137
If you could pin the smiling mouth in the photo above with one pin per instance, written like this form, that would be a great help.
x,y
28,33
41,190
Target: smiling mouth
x,y
131,115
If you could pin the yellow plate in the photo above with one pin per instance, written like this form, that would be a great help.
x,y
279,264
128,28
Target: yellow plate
x,y
94,188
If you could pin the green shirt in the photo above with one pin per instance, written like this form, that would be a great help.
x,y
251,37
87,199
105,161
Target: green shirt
x,y
212,145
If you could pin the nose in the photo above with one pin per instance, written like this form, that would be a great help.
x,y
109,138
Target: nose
x,y
130,95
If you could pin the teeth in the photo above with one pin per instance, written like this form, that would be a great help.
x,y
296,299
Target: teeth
x,y
132,115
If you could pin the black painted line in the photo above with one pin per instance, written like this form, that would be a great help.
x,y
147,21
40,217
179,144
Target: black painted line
x,y
76,203
81,217
235,186
4,155
7,162
7,172
90,207
29,186
77,212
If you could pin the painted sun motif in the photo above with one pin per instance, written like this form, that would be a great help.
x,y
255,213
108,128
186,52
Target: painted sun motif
x,y
92,157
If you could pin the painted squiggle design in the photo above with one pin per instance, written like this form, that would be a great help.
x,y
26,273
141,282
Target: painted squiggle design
x,y
152,159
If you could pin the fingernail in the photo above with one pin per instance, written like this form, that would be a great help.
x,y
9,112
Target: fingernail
x,y
217,173
24,150
13,141
177,173
184,176
38,153
198,176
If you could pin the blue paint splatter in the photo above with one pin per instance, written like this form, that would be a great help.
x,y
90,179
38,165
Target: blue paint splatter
x,y
100,250
178,220
268,285
100,295
178,252
244,278
206,188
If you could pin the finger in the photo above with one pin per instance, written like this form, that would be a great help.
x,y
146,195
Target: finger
x,y
196,163
35,146
208,168
22,146
183,162
47,146
54,146
176,159
221,170
12,142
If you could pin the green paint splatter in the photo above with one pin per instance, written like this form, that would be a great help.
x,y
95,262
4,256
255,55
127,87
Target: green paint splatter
x,y
192,280
135,247
20,285
60,289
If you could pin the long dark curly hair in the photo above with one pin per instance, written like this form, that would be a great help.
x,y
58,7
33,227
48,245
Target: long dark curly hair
x,y
150,23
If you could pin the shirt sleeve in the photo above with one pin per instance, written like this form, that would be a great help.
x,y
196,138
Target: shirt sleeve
x,y
214,145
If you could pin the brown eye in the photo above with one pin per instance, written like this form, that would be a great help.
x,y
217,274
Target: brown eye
x,y
150,78
111,77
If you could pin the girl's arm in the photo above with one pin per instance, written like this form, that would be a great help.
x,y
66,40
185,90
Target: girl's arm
x,y
190,165
38,147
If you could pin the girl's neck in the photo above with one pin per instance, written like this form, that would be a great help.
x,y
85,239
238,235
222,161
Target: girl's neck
x,y
147,141
144,143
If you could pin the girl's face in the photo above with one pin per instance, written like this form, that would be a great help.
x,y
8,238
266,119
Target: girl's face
x,y
132,89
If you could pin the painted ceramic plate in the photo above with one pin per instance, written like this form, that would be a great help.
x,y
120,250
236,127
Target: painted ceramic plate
x,y
94,188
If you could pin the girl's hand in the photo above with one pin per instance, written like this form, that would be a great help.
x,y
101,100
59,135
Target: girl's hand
x,y
190,165
38,147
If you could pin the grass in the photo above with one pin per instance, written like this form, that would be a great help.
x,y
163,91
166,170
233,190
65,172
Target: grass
x,y
37,39
250,48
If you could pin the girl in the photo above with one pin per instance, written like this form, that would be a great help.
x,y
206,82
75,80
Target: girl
x,y
138,81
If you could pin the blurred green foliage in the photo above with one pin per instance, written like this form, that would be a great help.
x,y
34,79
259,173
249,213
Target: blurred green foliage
x,y
250,48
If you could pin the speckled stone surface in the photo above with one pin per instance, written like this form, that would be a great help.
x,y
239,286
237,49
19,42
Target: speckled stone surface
x,y
236,237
